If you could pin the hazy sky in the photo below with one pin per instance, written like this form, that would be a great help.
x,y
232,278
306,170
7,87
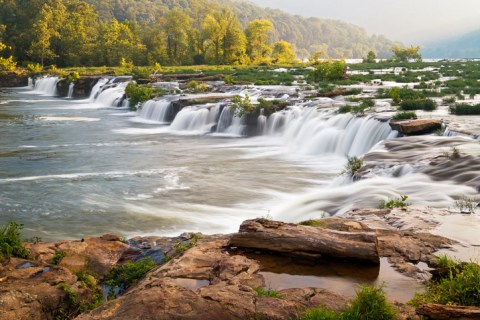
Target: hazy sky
x,y
409,21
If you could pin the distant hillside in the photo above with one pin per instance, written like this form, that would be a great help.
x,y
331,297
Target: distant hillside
x,y
337,38
466,46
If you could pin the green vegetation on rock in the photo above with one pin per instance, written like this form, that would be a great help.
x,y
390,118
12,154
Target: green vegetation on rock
x,y
10,243
370,303
394,203
126,275
261,292
460,286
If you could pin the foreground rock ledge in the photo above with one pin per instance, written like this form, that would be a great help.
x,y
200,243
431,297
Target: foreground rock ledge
x,y
304,241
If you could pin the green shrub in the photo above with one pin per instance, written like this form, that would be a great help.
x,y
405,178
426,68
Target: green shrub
x,y
369,304
10,244
137,94
242,106
465,109
444,261
58,257
461,287
271,106
7,64
345,109
394,203
399,116
34,68
427,105
261,292
353,165
129,273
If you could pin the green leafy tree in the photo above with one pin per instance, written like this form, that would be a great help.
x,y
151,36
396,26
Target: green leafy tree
x,y
283,52
329,70
78,33
371,57
117,41
406,54
258,40
45,29
177,31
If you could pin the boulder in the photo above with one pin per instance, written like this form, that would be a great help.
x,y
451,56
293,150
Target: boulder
x,y
416,127
94,255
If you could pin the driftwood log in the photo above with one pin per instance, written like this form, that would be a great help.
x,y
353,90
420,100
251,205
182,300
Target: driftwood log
x,y
310,242
443,312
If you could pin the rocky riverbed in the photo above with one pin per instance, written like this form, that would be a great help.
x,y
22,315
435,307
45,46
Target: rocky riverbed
x,y
211,277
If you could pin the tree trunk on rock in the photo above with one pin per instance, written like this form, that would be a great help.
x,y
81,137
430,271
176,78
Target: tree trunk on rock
x,y
442,312
303,241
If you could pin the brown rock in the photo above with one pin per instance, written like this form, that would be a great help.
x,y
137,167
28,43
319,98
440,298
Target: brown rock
x,y
416,127
94,255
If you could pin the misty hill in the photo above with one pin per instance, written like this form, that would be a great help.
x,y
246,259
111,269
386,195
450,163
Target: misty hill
x,y
337,38
465,46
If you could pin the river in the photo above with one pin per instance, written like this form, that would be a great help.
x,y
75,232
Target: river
x,y
76,168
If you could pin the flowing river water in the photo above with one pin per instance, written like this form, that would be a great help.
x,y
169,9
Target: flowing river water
x,y
74,168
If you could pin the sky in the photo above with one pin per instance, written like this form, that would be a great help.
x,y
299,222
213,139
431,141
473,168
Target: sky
x,y
414,22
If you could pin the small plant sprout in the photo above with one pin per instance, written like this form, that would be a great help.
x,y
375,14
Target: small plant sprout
x,y
466,205
394,203
353,165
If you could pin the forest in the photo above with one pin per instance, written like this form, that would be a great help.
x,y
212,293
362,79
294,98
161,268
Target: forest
x,y
169,32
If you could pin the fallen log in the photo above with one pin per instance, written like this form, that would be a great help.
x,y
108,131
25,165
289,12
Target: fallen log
x,y
443,312
304,241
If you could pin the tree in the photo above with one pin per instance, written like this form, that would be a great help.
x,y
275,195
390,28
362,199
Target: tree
x,y
45,29
406,54
225,41
371,57
329,70
78,33
258,46
117,42
283,53
178,31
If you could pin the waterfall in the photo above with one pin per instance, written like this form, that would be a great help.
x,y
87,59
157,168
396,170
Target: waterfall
x,y
70,90
230,124
112,96
30,82
46,85
97,88
155,110
314,132
196,119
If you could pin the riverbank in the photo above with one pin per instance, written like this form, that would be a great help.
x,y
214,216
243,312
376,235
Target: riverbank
x,y
196,276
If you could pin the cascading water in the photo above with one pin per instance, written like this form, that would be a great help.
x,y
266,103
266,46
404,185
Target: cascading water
x,y
46,85
314,132
97,88
70,90
196,119
228,123
155,110
112,96
30,82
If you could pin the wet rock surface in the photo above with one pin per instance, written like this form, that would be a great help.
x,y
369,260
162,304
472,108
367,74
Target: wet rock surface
x,y
200,277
